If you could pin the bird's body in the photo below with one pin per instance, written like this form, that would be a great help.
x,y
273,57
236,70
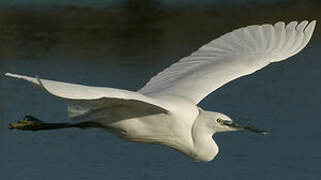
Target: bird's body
x,y
165,110
161,128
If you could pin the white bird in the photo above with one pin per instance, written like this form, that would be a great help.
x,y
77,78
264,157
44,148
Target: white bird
x,y
165,110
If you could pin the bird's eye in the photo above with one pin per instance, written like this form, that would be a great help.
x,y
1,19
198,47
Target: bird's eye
x,y
219,120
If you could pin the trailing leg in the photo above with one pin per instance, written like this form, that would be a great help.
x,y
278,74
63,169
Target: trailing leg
x,y
33,124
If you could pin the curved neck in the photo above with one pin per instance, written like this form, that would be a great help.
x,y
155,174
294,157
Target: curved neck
x,y
204,147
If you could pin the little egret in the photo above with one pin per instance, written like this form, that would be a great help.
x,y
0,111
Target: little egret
x,y
165,110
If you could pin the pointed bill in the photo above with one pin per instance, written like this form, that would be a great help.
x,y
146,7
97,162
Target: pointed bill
x,y
237,126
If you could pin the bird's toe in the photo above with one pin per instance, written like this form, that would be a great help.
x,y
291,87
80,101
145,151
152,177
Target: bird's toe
x,y
28,123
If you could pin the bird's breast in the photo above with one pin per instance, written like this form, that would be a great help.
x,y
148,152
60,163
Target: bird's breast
x,y
141,128
164,129
171,129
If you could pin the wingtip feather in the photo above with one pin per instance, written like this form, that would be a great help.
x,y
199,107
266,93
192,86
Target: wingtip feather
x,y
310,28
280,24
302,26
291,25
11,75
8,74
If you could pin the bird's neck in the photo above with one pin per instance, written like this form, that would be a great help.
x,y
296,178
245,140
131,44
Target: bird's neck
x,y
204,147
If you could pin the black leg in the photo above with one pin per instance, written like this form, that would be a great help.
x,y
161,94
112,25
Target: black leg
x,y
33,124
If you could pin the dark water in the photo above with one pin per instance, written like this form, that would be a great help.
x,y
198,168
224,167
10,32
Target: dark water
x,y
122,45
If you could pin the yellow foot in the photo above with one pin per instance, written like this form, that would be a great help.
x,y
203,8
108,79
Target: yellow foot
x,y
28,123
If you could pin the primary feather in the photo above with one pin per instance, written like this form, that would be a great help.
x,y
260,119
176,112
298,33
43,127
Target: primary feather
x,y
235,54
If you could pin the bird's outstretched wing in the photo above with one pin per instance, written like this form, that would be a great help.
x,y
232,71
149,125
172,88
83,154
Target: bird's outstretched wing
x,y
83,101
235,54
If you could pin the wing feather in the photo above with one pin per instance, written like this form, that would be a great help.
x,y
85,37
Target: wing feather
x,y
84,101
235,54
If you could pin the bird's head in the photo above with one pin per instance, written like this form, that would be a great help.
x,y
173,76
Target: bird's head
x,y
220,122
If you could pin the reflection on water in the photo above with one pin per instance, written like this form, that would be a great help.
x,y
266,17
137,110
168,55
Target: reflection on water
x,y
122,45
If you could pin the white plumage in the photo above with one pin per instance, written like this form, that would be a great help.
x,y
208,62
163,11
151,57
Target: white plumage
x,y
165,110
232,55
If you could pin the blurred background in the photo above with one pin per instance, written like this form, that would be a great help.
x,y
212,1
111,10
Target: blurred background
x,y
122,44
94,29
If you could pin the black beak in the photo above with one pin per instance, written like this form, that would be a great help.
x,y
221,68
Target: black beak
x,y
243,128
